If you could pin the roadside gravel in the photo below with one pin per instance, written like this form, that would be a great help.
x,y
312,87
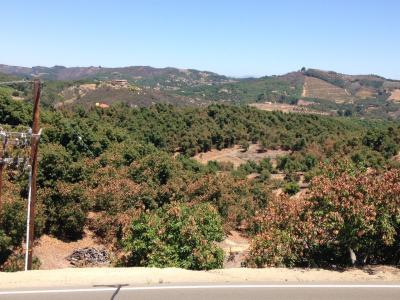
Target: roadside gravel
x,y
142,276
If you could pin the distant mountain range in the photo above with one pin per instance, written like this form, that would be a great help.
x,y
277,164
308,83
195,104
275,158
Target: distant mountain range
x,y
142,74
312,89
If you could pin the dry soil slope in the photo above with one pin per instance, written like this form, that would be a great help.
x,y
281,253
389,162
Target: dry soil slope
x,y
145,97
320,89
395,95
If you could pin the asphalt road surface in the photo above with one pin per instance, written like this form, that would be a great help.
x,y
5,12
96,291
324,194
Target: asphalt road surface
x,y
223,292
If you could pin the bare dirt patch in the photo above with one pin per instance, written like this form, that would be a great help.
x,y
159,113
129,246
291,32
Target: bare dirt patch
x,y
53,252
395,95
287,108
87,87
17,98
235,247
236,156
71,94
302,102
365,93
396,157
317,88
278,176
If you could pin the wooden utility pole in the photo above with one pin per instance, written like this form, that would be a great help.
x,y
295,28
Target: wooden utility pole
x,y
1,181
34,166
2,164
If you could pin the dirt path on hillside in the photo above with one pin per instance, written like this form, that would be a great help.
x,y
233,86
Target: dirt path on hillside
x,y
304,93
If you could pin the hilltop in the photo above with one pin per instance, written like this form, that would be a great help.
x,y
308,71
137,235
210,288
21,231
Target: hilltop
x,y
144,75
306,90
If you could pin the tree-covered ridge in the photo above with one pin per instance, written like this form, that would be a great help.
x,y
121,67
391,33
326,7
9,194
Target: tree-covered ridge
x,y
307,90
193,130
144,75
283,89
132,167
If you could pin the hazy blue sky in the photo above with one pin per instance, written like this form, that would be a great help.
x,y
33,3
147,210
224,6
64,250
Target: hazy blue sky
x,y
229,37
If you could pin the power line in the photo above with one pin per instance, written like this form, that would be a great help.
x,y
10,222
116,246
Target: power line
x,y
34,135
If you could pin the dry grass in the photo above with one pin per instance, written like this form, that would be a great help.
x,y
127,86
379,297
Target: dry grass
x,y
396,157
395,95
365,93
87,87
52,252
287,108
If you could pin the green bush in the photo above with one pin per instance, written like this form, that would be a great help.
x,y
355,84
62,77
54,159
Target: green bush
x,y
157,168
66,207
12,226
54,164
177,235
291,188
14,112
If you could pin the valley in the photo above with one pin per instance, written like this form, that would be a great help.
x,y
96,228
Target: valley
x,y
200,150
137,161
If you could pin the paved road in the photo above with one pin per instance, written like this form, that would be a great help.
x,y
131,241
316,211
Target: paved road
x,y
222,292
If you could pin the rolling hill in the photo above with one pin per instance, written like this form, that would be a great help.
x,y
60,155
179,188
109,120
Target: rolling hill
x,y
168,78
313,89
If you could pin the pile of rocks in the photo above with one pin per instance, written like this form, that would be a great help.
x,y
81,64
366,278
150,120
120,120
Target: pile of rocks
x,y
88,256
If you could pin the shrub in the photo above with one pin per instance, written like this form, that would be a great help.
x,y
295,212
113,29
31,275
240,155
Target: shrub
x,y
291,188
14,112
12,220
345,210
359,212
157,168
177,235
16,262
111,227
116,195
288,164
237,200
54,164
12,225
265,164
245,146
279,229
125,153
66,207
